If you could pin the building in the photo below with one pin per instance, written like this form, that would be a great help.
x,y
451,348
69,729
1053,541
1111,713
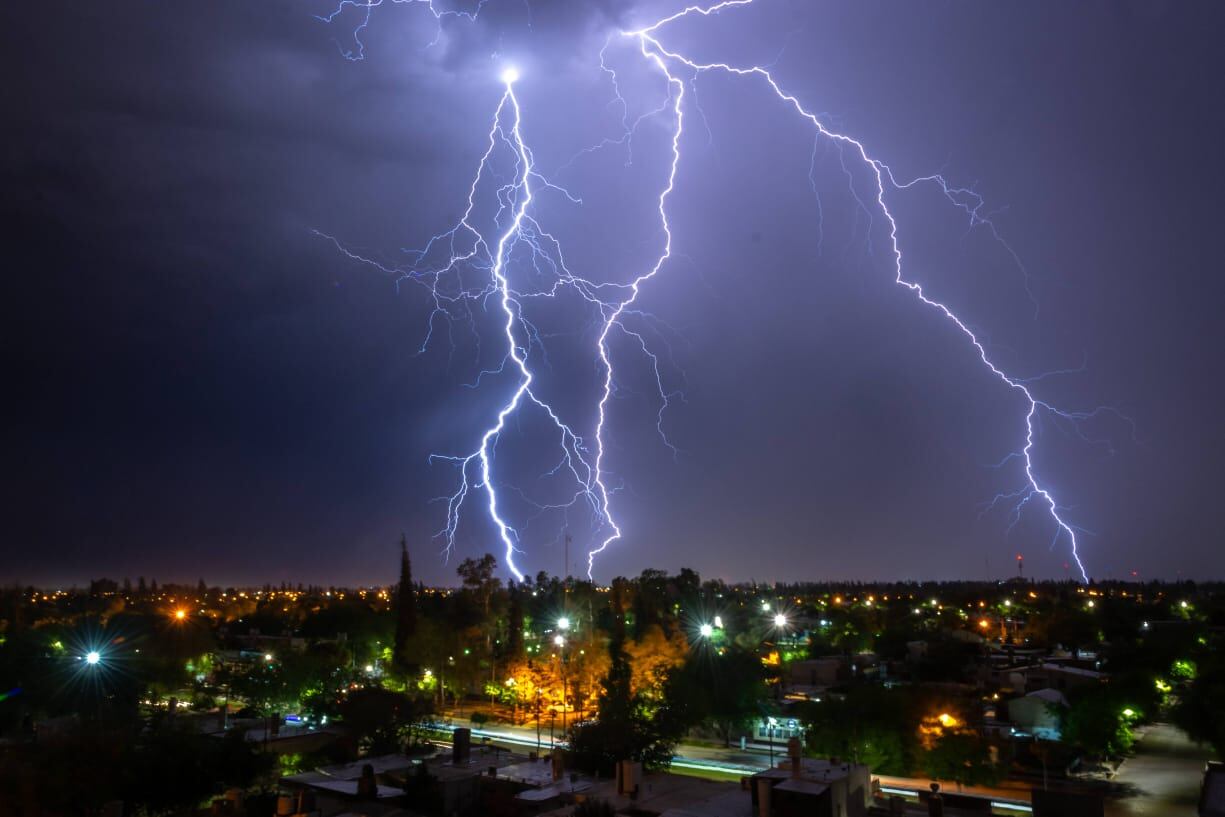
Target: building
x,y
812,788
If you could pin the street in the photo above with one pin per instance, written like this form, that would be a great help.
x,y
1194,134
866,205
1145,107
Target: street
x,y
1162,779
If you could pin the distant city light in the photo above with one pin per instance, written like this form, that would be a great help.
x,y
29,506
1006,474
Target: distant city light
x,y
92,657
765,605
559,640
1183,604
706,631
719,622
370,668
1129,712
267,656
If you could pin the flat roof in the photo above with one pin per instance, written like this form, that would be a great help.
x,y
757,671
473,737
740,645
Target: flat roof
x,y
802,786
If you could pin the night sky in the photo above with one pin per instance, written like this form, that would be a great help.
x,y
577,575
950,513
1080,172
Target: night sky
x,y
199,385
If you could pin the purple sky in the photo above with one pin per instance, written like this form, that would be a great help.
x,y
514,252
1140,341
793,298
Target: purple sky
x,y
200,386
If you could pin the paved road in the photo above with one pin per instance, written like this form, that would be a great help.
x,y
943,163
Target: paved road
x,y
1163,778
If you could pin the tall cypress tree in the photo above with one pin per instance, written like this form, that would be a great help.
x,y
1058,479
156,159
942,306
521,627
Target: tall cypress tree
x,y
514,625
406,608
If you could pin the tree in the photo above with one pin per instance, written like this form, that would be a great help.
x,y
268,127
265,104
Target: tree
x,y
872,725
478,579
406,609
514,626
963,757
652,657
1198,710
628,727
721,690
382,720
1097,726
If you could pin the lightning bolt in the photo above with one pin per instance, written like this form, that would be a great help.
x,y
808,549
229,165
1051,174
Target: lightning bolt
x,y
664,59
468,247
365,8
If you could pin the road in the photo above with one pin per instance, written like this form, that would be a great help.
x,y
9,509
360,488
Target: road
x,y
1162,779
736,761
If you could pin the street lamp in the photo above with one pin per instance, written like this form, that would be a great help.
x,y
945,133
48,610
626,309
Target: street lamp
x,y
92,657
559,640
706,631
780,620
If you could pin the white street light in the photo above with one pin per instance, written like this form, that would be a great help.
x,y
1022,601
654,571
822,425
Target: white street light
x,y
563,623
92,657
706,631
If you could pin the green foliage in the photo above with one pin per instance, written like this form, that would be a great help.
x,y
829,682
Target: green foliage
x,y
873,725
629,727
962,757
724,691
1199,710
1096,725
382,721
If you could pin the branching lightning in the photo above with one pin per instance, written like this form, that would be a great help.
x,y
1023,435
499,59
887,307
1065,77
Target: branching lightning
x,y
444,266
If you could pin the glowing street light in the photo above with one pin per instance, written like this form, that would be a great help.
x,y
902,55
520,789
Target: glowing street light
x,y
706,631
267,656
719,622
559,640
1129,712
780,620
180,615
563,623
92,657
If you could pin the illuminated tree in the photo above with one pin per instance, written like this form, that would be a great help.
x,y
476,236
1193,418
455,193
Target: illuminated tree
x,y
652,657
